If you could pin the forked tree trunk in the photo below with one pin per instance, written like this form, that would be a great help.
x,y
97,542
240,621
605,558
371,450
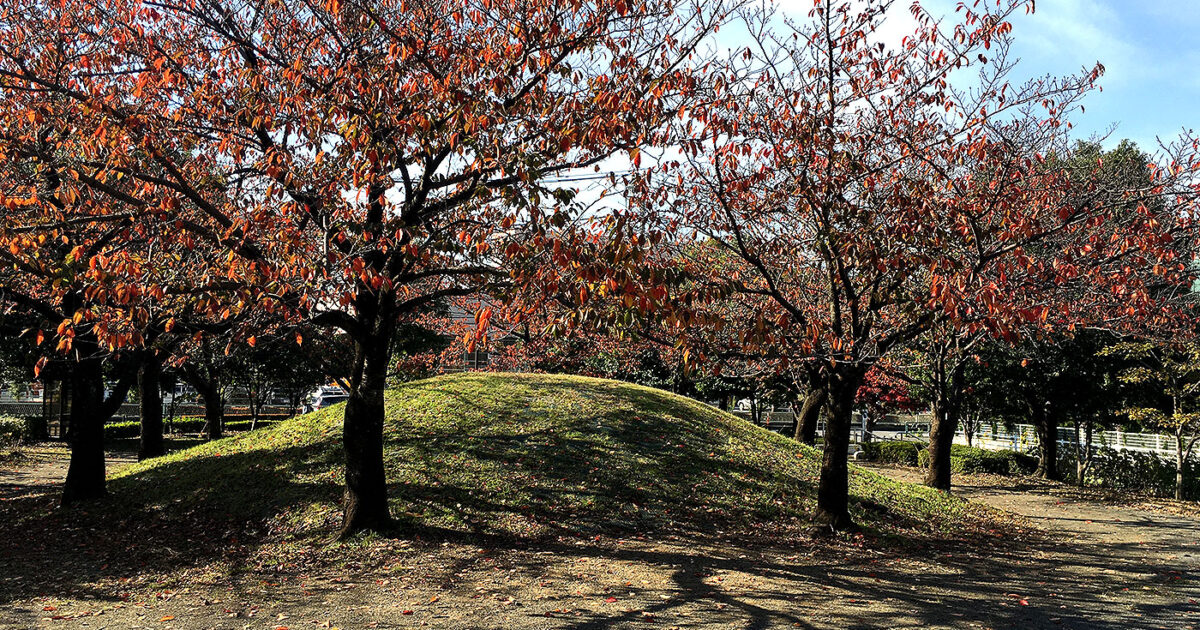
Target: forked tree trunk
x,y
150,442
833,499
366,507
941,442
809,414
85,474
1083,452
90,410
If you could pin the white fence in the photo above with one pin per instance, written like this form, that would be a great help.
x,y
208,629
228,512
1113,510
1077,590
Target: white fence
x,y
1022,438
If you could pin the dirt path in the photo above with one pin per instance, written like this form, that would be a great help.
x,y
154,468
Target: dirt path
x,y
41,469
1136,565
1112,568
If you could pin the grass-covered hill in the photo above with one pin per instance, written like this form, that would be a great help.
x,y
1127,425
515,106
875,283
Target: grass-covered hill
x,y
526,456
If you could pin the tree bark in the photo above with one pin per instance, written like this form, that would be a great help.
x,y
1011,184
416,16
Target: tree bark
x,y
366,507
946,406
150,443
1083,452
85,473
89,412
809,414
1047,428
1179,462
941,441
214,409
833,490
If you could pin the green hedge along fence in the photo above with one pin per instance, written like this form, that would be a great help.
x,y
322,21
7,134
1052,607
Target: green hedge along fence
x,y
132,428
963,459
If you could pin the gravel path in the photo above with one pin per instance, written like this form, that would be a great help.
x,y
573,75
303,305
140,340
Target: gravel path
x,y
1112,567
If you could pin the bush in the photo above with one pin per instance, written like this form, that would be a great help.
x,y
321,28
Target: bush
x,y
35,429
1131,470
12,431
968,459
133,428
894,452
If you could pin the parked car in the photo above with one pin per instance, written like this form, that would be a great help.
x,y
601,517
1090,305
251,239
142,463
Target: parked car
x,y
325,397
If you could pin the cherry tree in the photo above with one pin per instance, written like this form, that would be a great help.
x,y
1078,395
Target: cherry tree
x,y
354,160
849,193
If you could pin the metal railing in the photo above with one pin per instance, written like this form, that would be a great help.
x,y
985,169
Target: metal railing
x,y
131,411
1023,438
890,427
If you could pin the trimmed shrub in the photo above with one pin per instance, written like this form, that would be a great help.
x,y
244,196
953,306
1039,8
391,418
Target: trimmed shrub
x,y
12,431
132,428
35,429
968,459
1131,470
894,452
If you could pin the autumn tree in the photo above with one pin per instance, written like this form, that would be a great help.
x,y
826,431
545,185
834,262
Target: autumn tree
x,y
52,236
356,160
856,196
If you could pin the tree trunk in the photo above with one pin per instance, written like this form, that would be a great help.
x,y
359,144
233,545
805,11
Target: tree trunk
x,y
366,507
1047,428
90,410
85,474
941,441
214,409
1179,462
150,396
1083,451
810,413
946,407
833,491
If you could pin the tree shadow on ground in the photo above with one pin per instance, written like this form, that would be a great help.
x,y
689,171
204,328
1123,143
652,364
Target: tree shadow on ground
x,y
549,494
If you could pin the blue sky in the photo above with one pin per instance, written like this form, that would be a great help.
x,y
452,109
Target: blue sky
x,y
1150,50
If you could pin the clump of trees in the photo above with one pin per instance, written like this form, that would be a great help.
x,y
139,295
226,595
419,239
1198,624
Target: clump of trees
x,y
837,200
184,182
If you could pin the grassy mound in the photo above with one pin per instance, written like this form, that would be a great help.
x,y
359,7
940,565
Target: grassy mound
x,y
527,456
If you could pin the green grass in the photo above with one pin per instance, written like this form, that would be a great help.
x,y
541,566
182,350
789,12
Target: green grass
x,y
526,456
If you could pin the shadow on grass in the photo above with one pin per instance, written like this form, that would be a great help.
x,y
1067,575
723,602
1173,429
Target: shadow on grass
x,y
526,465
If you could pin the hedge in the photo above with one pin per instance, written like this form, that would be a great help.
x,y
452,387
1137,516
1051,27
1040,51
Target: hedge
x,y
133,428
894,452
1131,470
968,459
13,431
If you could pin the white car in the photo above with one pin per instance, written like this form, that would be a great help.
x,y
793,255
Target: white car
x,y
326,397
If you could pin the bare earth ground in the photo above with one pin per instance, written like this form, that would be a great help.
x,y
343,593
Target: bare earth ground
x,y
1113,566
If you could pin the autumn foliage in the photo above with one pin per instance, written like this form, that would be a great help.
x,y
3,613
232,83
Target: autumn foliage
x,y
817,199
